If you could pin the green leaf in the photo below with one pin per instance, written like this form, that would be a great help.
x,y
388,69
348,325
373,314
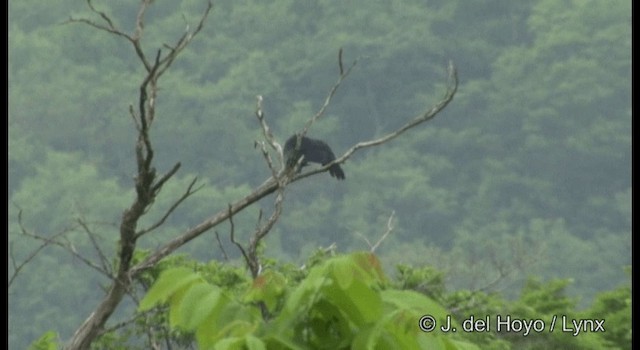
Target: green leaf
x,y
342,271
232,343
46,342
254,343
306,290
416,302
370,264
268,287
168,284
197,304
458,345
359,302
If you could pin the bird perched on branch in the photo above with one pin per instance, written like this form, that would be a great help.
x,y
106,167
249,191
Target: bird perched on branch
x,y
315,151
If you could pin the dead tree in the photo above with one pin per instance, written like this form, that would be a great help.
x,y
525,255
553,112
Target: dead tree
x,y
148,182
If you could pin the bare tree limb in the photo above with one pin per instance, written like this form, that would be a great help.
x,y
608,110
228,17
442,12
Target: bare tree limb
x,y
184,41
271,184
232,237
189,191
104,262
99,26
17,267
390,228
332,92
261,232
340,65
426,116
145,181
266,131
55,240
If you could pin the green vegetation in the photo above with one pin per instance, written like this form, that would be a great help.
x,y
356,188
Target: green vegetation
x,y
516,200
347,302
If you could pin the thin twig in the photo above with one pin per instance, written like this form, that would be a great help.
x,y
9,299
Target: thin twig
x,y
262,231
18,267
158,185
102,14
186,38
366,240
390,228
224,253
99,26
332,92
232,235
103,258
340,62
266,131
173,207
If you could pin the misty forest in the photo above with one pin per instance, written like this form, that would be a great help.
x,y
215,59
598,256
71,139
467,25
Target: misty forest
x,y
448,162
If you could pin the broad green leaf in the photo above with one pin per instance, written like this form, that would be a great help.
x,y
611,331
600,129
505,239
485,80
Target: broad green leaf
x,y
306,291
46,342
366,339
343,269
429,342
232,343
167,284
410,300
452,344
254,343
276,340
268,288
197,304
359,302
370,264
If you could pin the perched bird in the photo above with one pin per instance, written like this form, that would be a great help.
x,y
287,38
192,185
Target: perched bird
x,y
315,151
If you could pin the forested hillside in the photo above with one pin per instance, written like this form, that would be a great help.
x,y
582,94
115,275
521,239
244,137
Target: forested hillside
x,y
525,176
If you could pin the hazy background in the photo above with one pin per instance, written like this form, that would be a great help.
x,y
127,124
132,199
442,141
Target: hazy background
x,y
527,171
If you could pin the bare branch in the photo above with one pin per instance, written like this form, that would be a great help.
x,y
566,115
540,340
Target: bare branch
x,y
137,35
17,267
267,158
99,26
224,253
103,258
340,62
173,207
54,240
102,14
266,131
261,232
390,228
68,246
135,118
184,41
156,188
366,240
272,184
426,116
268,187
232,235
332,92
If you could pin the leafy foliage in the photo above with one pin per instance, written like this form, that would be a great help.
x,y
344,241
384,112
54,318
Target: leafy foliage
x,y
341,303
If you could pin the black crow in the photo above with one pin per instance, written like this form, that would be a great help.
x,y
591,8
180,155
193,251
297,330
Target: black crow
x,y
315,151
